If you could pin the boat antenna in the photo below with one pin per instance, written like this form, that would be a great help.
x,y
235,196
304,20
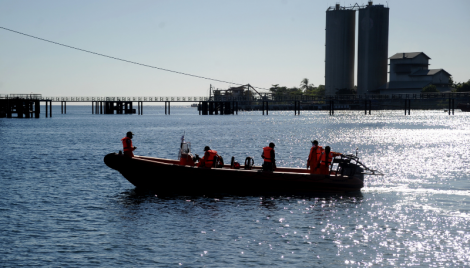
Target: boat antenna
x,y
182,140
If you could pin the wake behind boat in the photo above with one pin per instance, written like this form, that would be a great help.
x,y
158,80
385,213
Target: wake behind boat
x,y
166,176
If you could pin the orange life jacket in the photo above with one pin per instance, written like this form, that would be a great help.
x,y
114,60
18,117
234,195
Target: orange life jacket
x,y
315,153
209,162
127,144
267,154
323,158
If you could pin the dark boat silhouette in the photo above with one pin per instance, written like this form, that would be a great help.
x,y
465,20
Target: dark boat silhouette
x,y
166,176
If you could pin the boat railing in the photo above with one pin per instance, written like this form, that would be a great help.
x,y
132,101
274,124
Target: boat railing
x,y
367,171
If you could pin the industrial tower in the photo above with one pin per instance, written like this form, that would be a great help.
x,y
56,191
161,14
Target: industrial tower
x,y
372,48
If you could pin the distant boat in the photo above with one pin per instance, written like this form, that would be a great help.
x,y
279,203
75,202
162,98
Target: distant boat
x,y
194,105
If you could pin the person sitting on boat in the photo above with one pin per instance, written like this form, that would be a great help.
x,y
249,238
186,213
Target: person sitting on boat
x,y
314,158
325,162
127,144
208,159
269,157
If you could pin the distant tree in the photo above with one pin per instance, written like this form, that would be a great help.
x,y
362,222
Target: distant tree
x,y
321,90
463,87
277,90
316,91
451,81
305,85
295,91
429,89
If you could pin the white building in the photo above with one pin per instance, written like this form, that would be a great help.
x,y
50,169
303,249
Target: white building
x,y
410,73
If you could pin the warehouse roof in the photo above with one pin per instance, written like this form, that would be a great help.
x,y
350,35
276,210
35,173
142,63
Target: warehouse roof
x,y
407,55
430,72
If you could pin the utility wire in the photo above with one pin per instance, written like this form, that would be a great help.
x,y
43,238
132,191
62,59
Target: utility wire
x,y
128,61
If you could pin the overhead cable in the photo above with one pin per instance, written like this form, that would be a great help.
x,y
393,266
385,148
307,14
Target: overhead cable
x,y
128,61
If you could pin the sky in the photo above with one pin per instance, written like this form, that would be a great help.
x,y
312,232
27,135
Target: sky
x,y
262,43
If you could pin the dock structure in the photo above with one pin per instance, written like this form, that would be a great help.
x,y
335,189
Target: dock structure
x,y
28,105
23,106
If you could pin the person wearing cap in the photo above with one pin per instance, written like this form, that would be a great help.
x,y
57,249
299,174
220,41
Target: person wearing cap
x,y
314,157
208,159
127,144
269,157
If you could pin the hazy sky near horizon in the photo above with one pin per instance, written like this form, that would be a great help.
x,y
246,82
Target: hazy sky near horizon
x,y
262,42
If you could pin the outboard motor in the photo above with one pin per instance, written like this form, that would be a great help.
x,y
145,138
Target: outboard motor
x,y
249,162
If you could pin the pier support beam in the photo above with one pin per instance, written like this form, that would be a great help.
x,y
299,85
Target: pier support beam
x,y
451,105
9,108
205,108
367,103
407,106
37,108
266,107
210,105
297,107
332,107
168,107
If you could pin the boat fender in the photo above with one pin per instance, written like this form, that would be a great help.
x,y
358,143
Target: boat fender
x,y
249,162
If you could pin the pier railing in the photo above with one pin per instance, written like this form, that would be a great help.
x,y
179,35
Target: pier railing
x,y
254,98
145,99
22,96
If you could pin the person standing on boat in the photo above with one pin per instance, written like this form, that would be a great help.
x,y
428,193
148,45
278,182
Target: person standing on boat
x,y
314,158
326,159
127,144
208,159
269,157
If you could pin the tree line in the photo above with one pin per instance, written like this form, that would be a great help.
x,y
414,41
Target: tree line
x,y
305,88
456,87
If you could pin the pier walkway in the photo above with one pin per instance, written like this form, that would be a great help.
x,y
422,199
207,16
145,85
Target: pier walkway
x,y
28,105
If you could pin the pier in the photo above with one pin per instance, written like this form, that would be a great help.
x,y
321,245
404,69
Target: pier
x,y
23,106
29,105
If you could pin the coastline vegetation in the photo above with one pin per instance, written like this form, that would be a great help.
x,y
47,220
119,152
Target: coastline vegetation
x,y
308,89
305,89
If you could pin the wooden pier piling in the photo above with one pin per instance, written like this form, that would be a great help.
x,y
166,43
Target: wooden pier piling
x,y
407,106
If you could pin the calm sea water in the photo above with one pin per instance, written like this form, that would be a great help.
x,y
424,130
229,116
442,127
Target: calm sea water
x,y
61,206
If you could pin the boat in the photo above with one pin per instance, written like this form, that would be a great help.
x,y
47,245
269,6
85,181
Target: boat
x,y
182,176
194,105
